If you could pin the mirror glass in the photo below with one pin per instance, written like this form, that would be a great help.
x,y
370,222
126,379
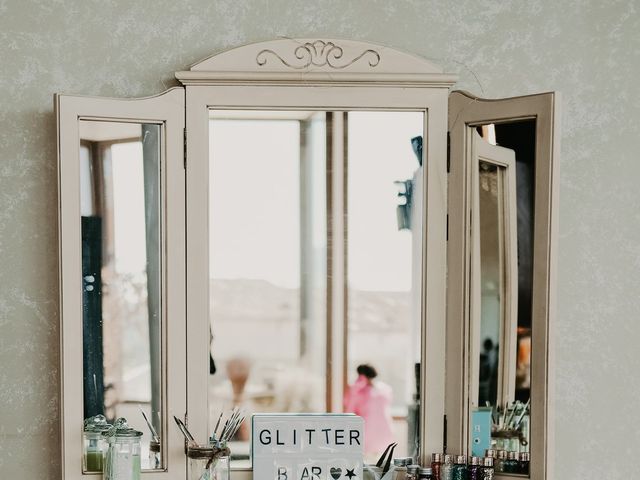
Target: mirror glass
x,y
120,210
504,201
315,277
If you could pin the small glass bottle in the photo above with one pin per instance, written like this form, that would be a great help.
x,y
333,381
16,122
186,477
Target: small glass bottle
x,y
412,472
523,463
154,455
399,469
94,444
436,465
447,468
510,465
122,460
487,468
460,468
475,469
498,465
491,453
425,473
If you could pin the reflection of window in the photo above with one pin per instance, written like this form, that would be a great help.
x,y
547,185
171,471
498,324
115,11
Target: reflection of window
x,y
292,311
112,190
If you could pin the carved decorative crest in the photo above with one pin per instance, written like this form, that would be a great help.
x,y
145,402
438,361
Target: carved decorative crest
x,y
319,54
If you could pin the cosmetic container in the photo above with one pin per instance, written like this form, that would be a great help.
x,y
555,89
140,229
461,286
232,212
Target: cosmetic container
x,y
447,468
475,469
399,469
460,468
154,455
94,444
498,464
412,472
122,459
425,473
487,468
523,463
511,465
436,465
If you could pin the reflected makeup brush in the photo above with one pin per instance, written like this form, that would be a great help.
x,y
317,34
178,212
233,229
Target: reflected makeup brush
x,y
154,434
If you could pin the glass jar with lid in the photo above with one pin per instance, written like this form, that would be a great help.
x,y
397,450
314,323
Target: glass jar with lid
x,y
94,444
122,459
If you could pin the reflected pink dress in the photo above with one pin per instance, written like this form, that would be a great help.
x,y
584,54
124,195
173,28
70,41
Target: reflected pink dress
x,y
372,403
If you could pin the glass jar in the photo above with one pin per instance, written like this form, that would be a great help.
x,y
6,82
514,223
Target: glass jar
x,y
460,471
221,468
399,469
154,455
208,462
487,468
501,458
447,468
474,470
94,444
436,465
412,472
122,459
425,473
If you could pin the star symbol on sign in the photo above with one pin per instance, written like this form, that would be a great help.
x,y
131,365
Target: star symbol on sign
x,y
350,473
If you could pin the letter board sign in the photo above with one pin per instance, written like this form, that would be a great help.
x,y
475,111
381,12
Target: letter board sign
x,y
307,447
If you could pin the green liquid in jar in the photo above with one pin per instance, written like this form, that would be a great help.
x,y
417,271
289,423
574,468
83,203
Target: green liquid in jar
x,y
135,460
93,461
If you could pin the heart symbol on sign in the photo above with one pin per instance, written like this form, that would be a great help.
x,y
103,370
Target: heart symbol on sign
x,y
336,472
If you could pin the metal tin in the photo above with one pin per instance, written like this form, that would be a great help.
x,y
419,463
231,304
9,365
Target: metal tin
x,y
491,453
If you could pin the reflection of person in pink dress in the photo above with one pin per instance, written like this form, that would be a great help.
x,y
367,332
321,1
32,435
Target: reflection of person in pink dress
x,y
371,400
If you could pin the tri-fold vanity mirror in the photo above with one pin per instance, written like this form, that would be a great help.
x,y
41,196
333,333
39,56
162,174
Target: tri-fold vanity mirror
x,y
295,211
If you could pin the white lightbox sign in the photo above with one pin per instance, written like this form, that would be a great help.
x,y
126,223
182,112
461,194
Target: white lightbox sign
x,y
307,447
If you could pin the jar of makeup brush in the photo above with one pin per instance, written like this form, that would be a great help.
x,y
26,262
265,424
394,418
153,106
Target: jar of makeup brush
x,y
154,455
208,462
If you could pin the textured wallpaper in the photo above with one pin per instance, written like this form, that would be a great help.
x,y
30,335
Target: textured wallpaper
x,y
588,50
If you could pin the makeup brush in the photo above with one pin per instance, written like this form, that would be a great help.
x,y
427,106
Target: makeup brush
x,y
524,411
183,428
154,434
511,415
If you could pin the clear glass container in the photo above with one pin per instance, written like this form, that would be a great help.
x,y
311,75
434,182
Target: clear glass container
x,y
122,459
208,462
221,468
94,444
154,455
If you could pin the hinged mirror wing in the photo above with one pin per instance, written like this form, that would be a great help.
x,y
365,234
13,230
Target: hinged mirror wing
x,y
121,212
501,282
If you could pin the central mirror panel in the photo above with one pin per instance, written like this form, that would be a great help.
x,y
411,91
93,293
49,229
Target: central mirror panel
x,y
316,268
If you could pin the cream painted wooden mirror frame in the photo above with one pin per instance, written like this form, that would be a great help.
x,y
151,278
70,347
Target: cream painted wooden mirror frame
x,y
288,74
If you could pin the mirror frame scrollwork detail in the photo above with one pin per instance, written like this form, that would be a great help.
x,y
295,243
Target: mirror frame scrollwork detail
x,y
319,53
